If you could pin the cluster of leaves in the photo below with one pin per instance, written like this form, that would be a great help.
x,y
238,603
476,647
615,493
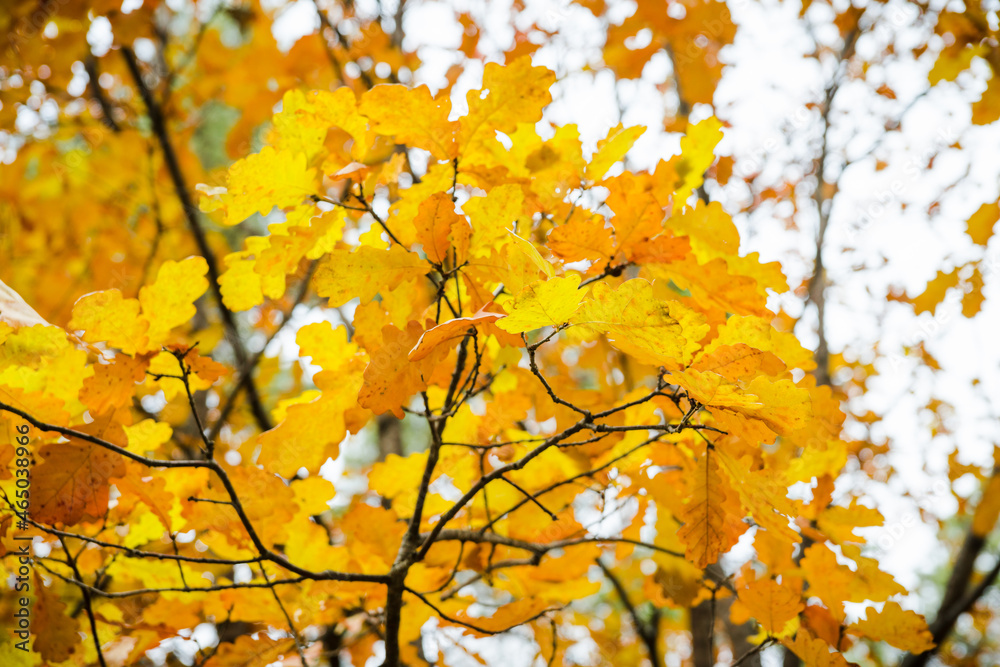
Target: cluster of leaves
x,y
596,402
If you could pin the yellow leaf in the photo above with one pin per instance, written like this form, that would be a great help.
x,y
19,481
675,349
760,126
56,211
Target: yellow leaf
x,y
611,149
713,284
249,652
493,216
738,362
838,523
375,535
505,617
935,292
638,213
328,346
987,108
403,212
655,332
710,229
761,495
391,377
980,224
510,95
169,302
72,482
972,300
107,317
547,303
397,474
306,118
758,333
42,372
312,494
531,252
696,157
147,436
413,117
310,432
676,582
112,385
344,275
241,285
262,181
953,61
836,584
902,628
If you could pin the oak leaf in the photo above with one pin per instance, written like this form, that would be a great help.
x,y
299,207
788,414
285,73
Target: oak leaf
x,y
392,377
450,330
579,240
656,332
902,628
771,604
435,220
545,303
110,318
980,224
611,149
711,526
57,635
510,95
814,651
261,182
344,275
413,117
72,481
249,652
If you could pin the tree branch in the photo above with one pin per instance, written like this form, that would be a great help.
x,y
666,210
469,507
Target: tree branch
x,y
648,632
159,126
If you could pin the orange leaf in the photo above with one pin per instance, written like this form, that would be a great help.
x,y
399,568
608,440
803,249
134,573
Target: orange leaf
x,y
436,218
249,652
771,604
450,330
582,240
57,635
392,378
814,652
711,515
72,482
112,385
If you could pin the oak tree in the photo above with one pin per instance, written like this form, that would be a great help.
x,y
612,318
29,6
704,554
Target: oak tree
x,y
306,361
